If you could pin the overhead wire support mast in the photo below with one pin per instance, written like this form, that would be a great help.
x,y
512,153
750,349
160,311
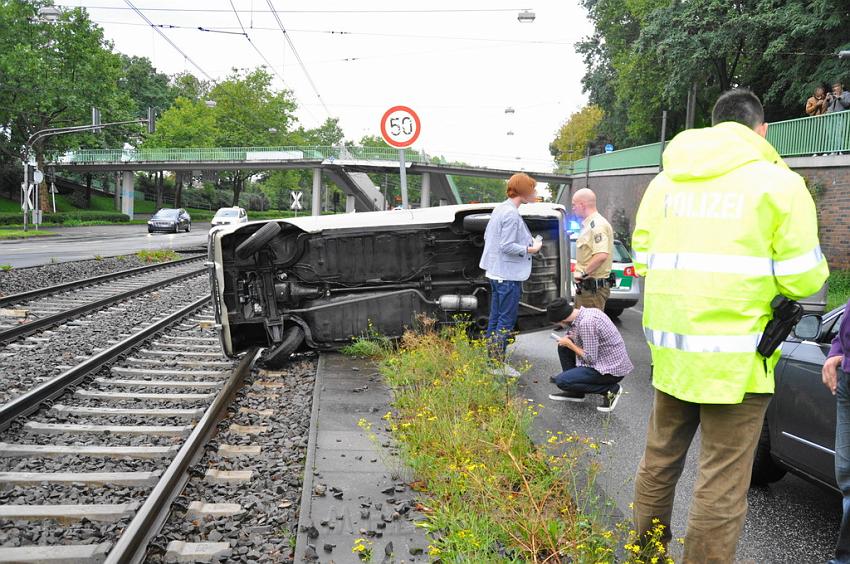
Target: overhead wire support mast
x,y
297,56
170,42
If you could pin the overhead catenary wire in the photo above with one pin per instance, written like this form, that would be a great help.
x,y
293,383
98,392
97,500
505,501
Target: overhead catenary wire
x,y
366,11
298,57
170,42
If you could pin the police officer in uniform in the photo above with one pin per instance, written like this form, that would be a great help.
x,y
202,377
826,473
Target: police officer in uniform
x,y
594,253
720,233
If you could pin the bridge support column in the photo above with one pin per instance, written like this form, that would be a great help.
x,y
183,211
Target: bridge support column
x,y
350,204
316,205
425,200
127,180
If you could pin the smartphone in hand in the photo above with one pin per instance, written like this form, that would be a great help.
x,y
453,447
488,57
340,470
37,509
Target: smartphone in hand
x,y
554,336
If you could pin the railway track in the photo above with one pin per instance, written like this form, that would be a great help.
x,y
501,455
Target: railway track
x,y
29,312
119,441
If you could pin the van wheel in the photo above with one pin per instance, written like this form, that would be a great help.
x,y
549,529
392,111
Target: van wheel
x,y
279,356
765,469
614,313
258,240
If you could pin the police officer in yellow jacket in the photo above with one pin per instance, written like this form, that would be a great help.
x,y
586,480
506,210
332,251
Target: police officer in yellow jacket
x,y
725,228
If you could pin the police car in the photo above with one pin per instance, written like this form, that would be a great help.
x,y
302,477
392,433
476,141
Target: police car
x,y
626,292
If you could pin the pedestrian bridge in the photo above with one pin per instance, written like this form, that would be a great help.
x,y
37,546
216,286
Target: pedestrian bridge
x,y
346,166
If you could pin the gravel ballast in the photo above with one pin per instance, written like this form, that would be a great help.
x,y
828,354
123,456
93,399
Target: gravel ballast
x,y
20,280
265,530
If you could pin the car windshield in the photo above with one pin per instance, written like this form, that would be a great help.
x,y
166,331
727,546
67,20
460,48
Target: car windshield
x,y
166,214
621,254
226,213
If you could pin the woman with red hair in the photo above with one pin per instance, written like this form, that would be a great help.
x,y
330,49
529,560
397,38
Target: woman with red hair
x,y
506,260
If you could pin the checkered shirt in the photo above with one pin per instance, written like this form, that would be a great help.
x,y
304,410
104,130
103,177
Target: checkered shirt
x,y
604,349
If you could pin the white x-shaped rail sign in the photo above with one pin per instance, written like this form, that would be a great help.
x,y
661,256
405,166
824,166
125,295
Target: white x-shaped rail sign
x,y
296,201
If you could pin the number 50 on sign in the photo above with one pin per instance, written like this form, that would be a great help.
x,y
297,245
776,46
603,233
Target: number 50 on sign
x,y
400,127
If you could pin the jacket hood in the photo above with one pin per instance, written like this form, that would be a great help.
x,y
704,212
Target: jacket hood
x,y
706,153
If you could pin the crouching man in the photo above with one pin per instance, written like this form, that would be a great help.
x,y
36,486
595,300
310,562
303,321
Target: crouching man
x,y
601,357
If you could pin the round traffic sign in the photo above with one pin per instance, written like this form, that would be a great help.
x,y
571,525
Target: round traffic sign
x,y
37,176
400,127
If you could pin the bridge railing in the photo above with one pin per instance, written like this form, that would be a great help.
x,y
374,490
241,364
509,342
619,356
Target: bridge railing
x,y
829,133
239,154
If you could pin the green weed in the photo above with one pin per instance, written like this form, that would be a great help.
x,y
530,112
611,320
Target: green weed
x,y
839,289
159,255
5,267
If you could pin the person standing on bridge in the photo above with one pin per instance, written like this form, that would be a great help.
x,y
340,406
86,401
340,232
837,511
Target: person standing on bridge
x,y
594,252
506,260
723,230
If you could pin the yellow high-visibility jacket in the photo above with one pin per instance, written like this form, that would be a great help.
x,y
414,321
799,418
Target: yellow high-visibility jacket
x,y
720,232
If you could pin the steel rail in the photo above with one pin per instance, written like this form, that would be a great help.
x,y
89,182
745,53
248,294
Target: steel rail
x,y
133,543
32,400
64,287
33,326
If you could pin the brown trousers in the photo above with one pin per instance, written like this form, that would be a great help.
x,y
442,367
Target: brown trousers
x,y
589,298
729,434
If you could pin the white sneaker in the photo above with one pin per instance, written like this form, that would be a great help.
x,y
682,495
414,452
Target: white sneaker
x,y
567,396
610,401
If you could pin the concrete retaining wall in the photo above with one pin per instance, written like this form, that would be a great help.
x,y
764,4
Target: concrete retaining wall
x,y
619,194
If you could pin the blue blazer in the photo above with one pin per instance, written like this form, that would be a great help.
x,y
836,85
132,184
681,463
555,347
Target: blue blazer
x,y
506,241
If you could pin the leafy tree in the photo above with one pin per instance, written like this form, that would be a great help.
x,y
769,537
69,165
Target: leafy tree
x,y
188,123
580,129
645,55
187,85
248,113
51,74
326,135
147,87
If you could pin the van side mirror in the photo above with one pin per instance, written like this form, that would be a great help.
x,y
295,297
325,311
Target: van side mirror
x,y
808,328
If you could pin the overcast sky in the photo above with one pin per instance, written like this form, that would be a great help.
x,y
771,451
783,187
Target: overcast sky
x,y
458,64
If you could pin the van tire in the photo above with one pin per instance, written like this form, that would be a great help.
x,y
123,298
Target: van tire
x,y
258,240
765,469
278,356
614,313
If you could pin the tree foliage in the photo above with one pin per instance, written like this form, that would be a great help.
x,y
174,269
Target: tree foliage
x,y
188,123
577,132
644,56
51,74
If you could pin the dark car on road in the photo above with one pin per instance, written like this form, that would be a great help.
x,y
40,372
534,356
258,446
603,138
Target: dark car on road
x,y
170,220
317,282
799,429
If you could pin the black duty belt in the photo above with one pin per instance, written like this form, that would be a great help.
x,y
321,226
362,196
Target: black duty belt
x,y
594,283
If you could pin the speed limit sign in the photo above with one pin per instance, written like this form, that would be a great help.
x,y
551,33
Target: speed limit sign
x,y
400,127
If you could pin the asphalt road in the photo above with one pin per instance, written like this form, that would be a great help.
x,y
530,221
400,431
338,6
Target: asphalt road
x,y
78,243
790,521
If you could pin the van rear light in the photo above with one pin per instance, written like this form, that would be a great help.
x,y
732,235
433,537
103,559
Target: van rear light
x,y
572,267
629,272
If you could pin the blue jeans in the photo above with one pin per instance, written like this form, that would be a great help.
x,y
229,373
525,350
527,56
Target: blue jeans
x,y
504,307
586,380
842,465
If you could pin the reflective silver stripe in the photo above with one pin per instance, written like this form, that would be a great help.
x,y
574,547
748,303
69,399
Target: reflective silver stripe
x,y
703,343
701,262
799,264
731,264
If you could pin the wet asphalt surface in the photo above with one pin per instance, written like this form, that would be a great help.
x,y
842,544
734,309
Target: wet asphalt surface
x,y
790,521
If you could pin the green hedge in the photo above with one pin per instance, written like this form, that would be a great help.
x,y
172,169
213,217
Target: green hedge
x,y
60,218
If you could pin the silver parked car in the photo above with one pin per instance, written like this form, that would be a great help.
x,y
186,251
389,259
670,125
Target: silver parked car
x,y
229,216
318,281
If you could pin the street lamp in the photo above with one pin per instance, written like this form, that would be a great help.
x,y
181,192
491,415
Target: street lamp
x,y
510,110
526,16
210,103
844,54
49,14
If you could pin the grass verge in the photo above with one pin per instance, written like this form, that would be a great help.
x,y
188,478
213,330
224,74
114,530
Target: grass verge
x,y
488,492
159,255
839,289
20,234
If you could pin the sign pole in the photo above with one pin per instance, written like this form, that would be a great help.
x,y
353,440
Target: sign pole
x,y
402,173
